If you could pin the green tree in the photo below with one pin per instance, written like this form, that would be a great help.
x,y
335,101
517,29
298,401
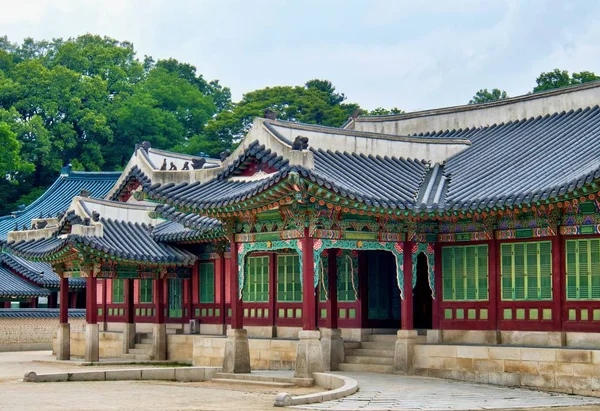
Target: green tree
x,y
10,161
315,103
485,96
380,111
561,78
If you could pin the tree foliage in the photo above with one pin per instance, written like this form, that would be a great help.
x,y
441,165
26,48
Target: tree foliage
x,y
316,102
485,96
561,78
88,100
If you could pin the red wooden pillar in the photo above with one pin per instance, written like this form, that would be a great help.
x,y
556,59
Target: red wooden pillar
x,y
363,288
558,281
91,309
237,315
222,305
73,303
104,301
437,260
128,290
309,299
407,302
64,301
272,287
494,281
332,318
34,302
7,304
190,283
159,301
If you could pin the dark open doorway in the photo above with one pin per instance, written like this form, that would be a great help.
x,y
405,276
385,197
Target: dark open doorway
x,y
383,294
422,298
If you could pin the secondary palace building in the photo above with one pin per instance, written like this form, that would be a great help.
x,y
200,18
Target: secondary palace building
x,y
361,247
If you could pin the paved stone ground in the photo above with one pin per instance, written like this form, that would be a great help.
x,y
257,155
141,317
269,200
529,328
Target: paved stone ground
x,y
377,392
393,392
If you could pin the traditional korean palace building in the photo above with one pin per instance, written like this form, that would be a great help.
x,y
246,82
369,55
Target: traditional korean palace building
x,y
360,247
29,284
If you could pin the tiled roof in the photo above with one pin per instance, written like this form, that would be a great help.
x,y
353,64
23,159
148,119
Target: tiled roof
x,y
58,197
122,240
12,285
355,176
39,313
527,160
183,227
134,174
38,272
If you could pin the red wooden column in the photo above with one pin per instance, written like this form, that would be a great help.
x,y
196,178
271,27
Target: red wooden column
x,y
407,302
222,305
159,302
34,302
128,290
73,303
91,308
309,299
237,315
64,301
190,284
437,260
104,302
558,281
493,281
332,307
6,304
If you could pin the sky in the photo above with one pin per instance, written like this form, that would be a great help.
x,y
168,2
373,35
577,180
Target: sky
x,y
414,55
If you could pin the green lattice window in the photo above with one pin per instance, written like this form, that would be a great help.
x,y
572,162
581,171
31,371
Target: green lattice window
x,y
289,288
256,288
146,291
465,273
206,273
344,286
118,294
583,269
526,271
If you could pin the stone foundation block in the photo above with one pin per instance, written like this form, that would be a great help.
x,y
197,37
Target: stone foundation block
x,y
309,354
118,375
63,347
92,343
166,374
159,342
237,352
128,337
434,336
333,348
405,351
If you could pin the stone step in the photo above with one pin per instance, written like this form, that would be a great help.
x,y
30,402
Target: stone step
x,y
146,341
255,377
140,351
253,382
357,359
143,346
351,344
141,336
378,345
361,352
384,369
137,357
389,338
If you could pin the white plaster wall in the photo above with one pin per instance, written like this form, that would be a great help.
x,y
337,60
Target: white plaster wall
x,y
483,115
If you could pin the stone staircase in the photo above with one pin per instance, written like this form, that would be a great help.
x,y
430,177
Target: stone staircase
x,y
376,354
143,348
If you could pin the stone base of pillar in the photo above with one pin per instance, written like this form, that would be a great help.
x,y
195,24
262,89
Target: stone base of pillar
x,y
434,337
63,342
237,352
333,348
557,339
128,337
405,351
92,343
159,341
309,354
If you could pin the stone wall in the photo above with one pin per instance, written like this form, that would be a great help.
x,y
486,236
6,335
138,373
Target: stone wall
x,y
111,343
265,354
26,334
575,371
180,347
